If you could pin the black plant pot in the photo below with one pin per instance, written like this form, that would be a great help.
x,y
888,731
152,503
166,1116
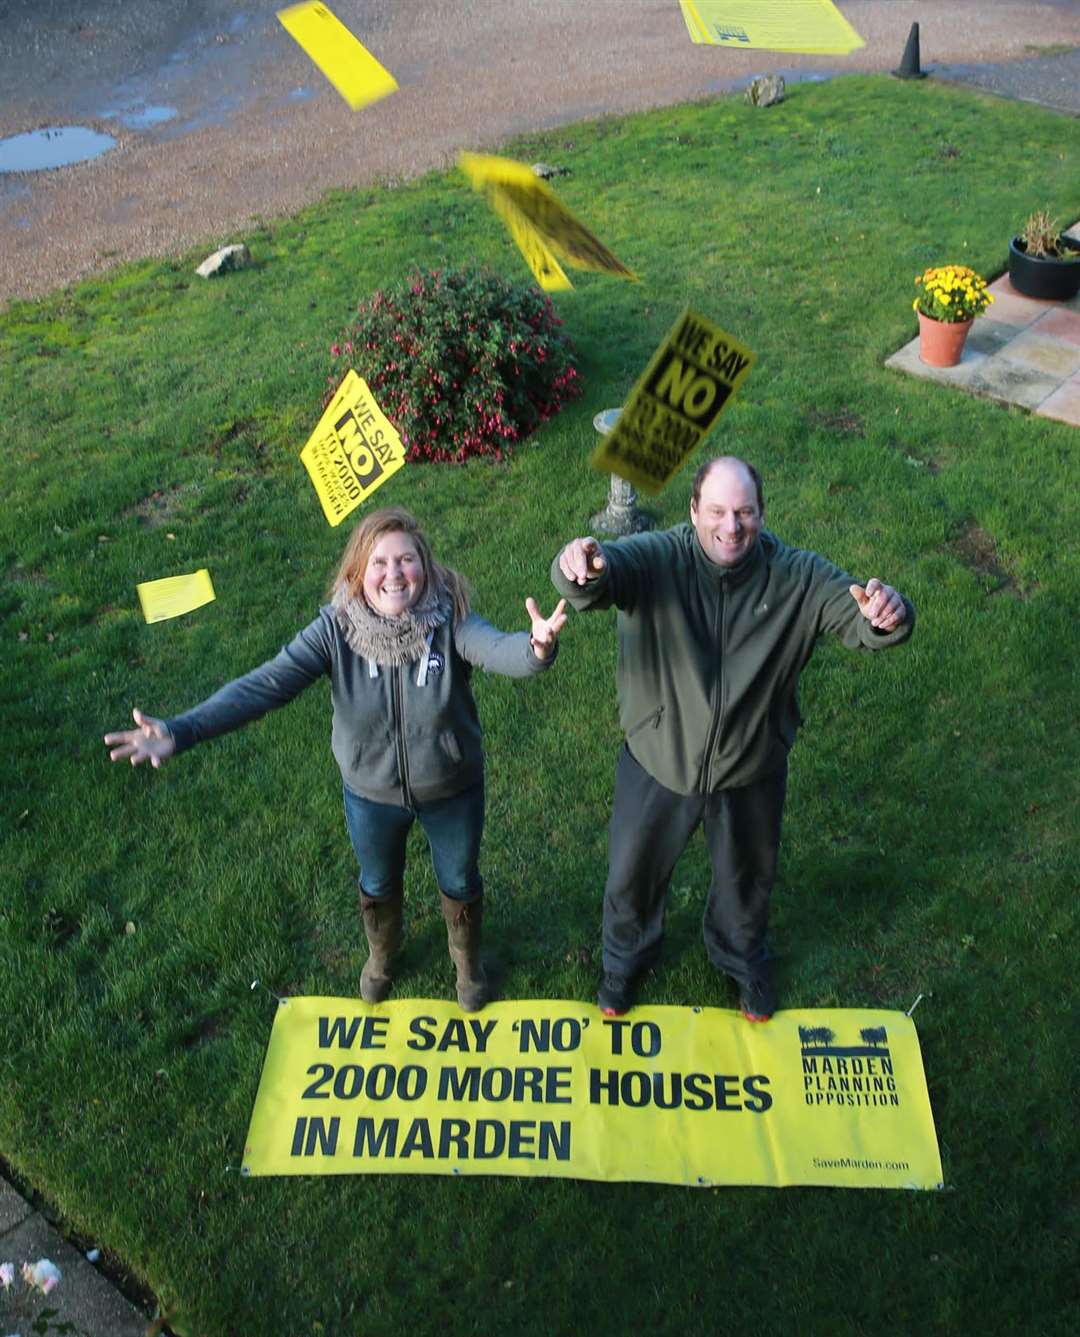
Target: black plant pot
x,y
1042,276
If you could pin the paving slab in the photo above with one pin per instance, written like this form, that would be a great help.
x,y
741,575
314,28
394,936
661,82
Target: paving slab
x,y
13,1209
1013,307
1011,383
84,1297
1042,352
1063,324
1064,403
988,335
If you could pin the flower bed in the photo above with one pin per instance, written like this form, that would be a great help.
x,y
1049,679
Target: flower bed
x,y
462,362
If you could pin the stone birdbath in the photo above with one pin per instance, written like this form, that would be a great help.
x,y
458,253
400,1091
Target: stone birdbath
x,y
621,514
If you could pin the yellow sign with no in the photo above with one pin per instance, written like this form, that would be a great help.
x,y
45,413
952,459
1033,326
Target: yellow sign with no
x,y
688,383
353,451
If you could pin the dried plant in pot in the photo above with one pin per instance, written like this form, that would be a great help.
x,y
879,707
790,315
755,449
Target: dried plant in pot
x,y
1043,262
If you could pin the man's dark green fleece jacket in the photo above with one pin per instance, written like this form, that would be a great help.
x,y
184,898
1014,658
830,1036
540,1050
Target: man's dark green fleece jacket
x,y
710,656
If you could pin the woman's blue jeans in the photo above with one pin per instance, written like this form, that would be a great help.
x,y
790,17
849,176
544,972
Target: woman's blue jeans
x,y
453,827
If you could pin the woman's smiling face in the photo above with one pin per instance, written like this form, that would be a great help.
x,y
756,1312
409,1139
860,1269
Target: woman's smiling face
x,y
394,576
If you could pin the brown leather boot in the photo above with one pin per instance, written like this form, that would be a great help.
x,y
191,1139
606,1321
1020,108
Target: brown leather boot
x,y
382,924
463,937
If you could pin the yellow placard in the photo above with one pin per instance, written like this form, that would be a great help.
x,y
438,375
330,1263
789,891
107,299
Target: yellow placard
x,y
349,66
353,451
813,26
688,383
175,595
674,1095
512,185
538,256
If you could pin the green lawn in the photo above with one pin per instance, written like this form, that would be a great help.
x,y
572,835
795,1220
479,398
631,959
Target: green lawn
x,y
152,425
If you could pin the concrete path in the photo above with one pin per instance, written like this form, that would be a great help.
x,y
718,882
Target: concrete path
x,y
1051,80
83,1297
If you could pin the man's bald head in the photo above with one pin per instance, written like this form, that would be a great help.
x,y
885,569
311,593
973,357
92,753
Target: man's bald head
x,y
728,462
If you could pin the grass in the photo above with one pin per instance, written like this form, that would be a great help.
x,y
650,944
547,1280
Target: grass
x,y
152,425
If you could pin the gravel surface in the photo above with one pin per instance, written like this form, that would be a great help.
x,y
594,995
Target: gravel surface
x,y
220,118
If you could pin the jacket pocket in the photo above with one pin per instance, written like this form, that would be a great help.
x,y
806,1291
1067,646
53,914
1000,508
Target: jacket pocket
x,y
652,720
450,745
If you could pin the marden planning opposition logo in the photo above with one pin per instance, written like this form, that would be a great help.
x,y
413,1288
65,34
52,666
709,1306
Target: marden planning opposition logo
x,y
836,1074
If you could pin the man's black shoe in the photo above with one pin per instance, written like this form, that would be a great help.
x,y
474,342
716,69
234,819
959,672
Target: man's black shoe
x,y
616,995
757,999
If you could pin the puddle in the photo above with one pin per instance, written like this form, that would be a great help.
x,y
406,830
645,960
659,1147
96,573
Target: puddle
x,y
143,118
301,94
55,146
217,114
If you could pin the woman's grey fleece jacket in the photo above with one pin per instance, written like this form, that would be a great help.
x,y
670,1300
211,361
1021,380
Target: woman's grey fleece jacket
x,y
397,739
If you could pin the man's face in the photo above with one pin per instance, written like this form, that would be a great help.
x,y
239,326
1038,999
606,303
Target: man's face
x,y
727,518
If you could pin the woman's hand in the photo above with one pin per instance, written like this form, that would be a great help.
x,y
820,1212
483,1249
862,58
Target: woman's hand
x,y
151,741
545,630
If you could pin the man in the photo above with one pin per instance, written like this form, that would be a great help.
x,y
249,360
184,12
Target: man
x,y
716,620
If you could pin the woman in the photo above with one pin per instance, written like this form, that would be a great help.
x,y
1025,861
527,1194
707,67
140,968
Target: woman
x,y
399,642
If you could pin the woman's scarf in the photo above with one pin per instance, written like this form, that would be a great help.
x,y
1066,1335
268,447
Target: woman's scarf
x,y
389,641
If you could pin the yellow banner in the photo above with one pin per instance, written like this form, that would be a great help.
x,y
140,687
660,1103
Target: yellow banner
x,y
349,66
174,595
353,451
688,383
673,1095
519,196
813,26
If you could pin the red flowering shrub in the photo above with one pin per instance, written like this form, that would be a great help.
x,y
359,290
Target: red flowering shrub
x,y
461,361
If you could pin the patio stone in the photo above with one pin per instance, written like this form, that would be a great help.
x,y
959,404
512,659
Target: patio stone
x,y
1013,309
1042,352
907,359
1025,353
1062,323
988,335
1064,403
1012,383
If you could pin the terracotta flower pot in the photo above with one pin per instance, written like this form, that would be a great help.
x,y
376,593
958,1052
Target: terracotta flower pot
x,y
941,342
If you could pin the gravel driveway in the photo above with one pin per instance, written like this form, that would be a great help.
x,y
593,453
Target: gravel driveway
x,y
220,118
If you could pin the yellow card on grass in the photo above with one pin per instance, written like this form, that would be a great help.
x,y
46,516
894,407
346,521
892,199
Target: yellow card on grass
x,y
175,595
349,66
813,26
353,451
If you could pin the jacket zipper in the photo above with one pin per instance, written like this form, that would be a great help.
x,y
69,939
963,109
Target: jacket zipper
x,y
399,736
651,721
718,713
